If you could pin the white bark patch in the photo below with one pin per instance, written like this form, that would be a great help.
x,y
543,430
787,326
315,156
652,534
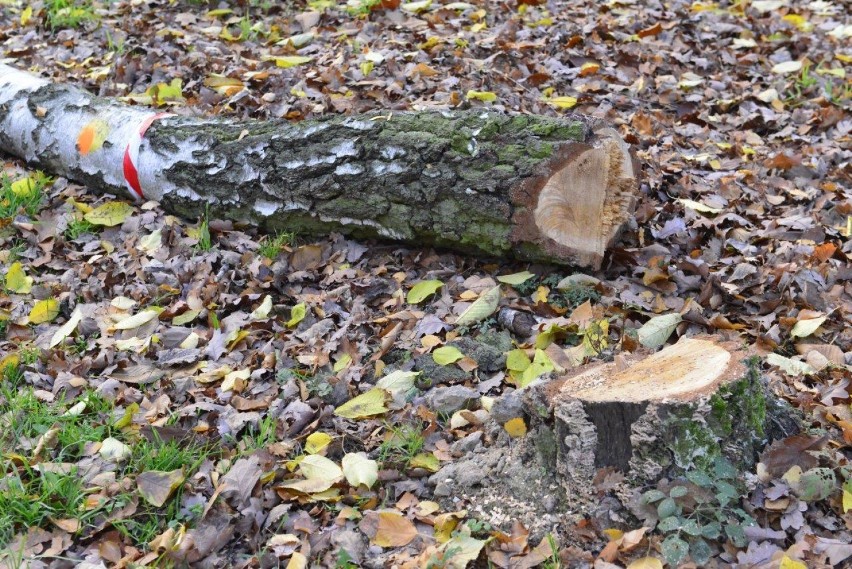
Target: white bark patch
x,y
293,164
358,125
346,148
349,169
265,208
392,152
380,168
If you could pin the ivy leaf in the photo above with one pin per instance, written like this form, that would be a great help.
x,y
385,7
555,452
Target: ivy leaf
x,y
674,549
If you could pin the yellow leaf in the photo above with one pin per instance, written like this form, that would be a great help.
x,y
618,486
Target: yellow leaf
x,y
787,67
262,311
847,500
425,460
297,314
540,294
286,61
422,290
317,467
365,405
44,311
316,442
360,470
562,102
394,530
17,280
517,360
646,563
482,308
66,329
613,533
516,427
297,561
541,364
445,355
446,524
25,187
484,96
109,214
789,563
26,15
342,363
516,278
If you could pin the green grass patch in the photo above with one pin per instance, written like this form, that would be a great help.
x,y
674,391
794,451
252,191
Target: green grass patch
x,y
77,227
270,247
37,487
22,196
401,444
70,13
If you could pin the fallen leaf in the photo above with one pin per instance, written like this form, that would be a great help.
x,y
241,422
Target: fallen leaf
x,y
423,290
516,427
393,530
360,470
44,311
481,308
446,355
157,486
17,280
365,405
657,330
804,328
66,329
516,278
109,214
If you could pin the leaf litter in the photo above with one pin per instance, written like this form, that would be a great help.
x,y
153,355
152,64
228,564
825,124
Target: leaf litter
x,y
292,403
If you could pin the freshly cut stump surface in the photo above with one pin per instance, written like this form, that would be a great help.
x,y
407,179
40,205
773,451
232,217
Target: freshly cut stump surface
x,y
678,409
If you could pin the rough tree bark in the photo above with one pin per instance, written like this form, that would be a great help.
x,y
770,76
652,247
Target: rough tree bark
x,y
537,188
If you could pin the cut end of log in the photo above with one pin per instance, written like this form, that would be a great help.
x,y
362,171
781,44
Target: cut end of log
x,y
682,372
585,203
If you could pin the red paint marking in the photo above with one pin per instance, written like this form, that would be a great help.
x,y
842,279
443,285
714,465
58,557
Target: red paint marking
x,y
131,174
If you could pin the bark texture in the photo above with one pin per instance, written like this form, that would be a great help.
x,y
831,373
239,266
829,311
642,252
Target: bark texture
x,y
537,188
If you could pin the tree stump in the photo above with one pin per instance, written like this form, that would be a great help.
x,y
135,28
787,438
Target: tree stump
x,y
662,415
536,188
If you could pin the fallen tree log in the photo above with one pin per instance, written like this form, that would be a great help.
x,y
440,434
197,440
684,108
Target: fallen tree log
x,y
536,188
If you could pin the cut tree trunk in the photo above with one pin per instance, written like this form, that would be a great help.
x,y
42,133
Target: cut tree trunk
x,y
679,409
536,188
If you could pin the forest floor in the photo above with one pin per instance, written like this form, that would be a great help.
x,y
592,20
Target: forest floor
x,y
178,392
